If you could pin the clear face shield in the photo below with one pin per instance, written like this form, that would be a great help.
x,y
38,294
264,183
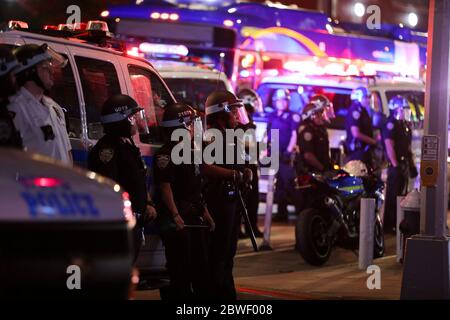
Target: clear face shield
x,y
139,125
56,60
329,113
237,109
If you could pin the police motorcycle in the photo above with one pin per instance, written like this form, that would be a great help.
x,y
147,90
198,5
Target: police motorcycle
x,y
332,212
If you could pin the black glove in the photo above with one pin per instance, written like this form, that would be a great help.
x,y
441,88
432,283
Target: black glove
x,y
413,173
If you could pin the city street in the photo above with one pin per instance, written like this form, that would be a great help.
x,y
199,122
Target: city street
x,y
282,274
136,134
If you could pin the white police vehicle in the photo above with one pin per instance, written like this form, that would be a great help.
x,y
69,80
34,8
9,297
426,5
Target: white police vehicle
x,y
57,222
94,72
192,83
338,90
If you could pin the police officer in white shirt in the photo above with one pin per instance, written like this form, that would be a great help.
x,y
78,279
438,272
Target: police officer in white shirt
x,y
39,119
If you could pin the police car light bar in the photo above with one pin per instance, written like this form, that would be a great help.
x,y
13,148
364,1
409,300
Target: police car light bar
x,y
16,24
157,48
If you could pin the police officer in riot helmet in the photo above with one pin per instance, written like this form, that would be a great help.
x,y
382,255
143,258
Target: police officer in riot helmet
x,y
313,140
9,135
397,137
116,156
224,111
40,120
183,216
287,123
252,103
360,135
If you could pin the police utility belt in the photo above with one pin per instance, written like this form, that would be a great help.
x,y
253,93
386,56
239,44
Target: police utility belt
x,y
357,145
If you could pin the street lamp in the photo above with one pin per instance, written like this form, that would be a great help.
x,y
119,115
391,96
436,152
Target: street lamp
x,y
359,9
413,19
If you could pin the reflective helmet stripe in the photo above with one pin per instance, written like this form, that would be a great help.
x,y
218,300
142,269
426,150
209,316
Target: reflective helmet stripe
x,y
34,61
119,116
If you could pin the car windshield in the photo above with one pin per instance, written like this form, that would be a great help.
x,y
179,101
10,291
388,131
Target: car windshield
x,y
194,91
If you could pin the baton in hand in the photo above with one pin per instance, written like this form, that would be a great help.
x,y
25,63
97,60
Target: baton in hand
x,y
244,214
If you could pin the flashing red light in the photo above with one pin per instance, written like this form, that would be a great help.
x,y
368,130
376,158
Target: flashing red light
x,y
41,182
50,27
134,52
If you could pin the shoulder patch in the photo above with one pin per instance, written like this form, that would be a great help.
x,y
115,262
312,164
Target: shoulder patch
x,y
390,126
106,154
296,117
356,115
162,160
5,130
307,136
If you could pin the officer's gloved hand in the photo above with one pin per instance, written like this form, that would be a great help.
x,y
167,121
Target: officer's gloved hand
x,y
413,173
243,178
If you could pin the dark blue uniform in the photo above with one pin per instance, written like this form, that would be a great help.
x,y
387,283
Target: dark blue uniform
x,y
120,160
186,250
222,201
313,139
397,181
358,150
286,122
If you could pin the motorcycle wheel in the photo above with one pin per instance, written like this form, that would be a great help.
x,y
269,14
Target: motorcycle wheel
x,y
311,237
378,241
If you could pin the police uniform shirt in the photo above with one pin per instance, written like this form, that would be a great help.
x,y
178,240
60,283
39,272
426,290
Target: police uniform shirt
x,y
358,116
400,133
184,179
9,136
120,160
314,139
41,124
286,122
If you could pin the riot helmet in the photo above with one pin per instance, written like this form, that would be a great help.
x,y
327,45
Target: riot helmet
x,y
399,108
121,115
30,57
226,106
280,99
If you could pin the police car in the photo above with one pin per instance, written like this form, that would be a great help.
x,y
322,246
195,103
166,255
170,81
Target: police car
x,y
94,72
56,236
338,90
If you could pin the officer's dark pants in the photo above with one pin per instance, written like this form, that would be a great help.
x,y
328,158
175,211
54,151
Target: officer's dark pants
x,y
396,185
223,245
137,242
284,187
187,263
252,200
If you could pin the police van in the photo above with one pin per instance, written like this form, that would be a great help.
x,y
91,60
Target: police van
x,y
96,69
192,83
338,89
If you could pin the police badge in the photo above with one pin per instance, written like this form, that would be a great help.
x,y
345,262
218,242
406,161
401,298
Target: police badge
x,y
106,155
162,161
